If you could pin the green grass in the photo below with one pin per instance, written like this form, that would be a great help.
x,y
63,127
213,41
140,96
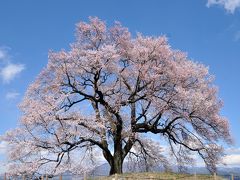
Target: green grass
x,y
158,176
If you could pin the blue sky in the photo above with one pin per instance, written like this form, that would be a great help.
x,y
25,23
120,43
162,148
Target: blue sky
x,y
208,30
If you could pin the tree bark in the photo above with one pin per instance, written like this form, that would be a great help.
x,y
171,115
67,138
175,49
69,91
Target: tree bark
x,y
115,162
116,166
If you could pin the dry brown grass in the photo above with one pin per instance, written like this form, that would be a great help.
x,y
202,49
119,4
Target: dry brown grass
x,y
158,176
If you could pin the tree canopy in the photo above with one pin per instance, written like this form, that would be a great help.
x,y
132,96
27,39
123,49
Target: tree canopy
x,y
130,98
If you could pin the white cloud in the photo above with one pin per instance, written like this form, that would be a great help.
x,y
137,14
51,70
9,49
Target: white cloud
x,y
233,150
2,54
229,5
12,95
3,152
3,148
232,157
10,71
232,160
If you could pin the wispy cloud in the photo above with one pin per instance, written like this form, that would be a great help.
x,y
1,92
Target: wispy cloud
x,y
229,5
10,71
2,54
232,160
3,147
232,157
12,95
3,152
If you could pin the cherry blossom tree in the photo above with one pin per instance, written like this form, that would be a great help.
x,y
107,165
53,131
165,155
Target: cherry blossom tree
x,y
109,95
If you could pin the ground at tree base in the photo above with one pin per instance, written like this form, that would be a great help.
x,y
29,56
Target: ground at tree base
x,y
159,176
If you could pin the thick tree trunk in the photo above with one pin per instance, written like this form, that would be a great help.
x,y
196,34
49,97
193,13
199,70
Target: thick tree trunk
x,y
116,166
115,161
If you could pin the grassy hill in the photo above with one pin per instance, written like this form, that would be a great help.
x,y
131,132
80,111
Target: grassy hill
x,y
159,176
